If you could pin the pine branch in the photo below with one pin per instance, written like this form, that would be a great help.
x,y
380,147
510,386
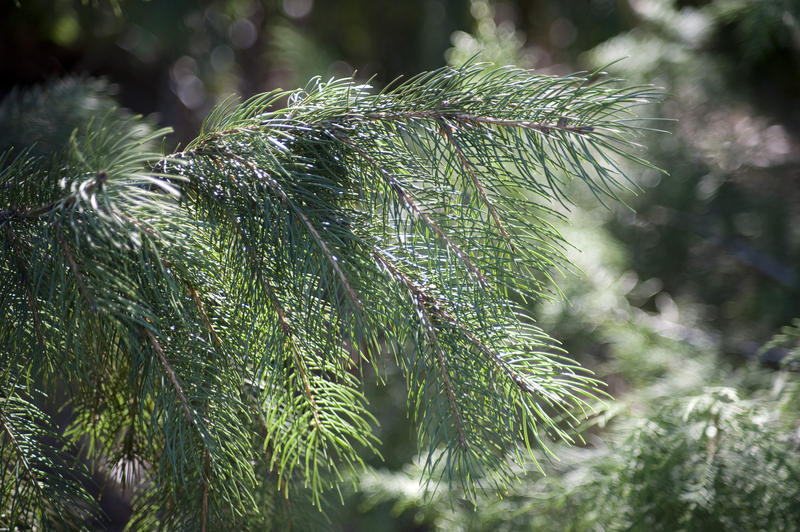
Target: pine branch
x,y
26,284
173,379
281,249
445,129
39,482
278,190
398,188
77,273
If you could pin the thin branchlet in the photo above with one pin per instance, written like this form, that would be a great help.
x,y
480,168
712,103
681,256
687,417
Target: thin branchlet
x,y
284,198
398,189
26,285
445,129
429,327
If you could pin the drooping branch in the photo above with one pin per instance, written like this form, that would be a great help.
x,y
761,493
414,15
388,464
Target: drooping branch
x,y
285,327
446,131
441,315
398,189
284,198
34,478
429,327
172,377
204,316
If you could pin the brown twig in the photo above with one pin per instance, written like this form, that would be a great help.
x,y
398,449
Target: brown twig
x,y
172,377
204,316
204,515
446,131
561,125
394,184
77,273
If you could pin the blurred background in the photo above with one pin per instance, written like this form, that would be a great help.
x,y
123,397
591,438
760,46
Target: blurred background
x,y
682,301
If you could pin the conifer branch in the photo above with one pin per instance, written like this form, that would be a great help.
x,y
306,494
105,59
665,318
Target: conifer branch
x,y
422,302
561,125
172,377
204,316
307,387
404,197
26,283
284,198
445,129
345,225
440,115
22,456
282,318
77,273
206,484
66,202
440,359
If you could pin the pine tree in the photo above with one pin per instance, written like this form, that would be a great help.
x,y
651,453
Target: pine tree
x,y
208,315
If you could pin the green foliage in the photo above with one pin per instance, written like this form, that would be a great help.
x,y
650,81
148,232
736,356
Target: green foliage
x,y
210,311
716,463
31,450
499,45
654,312
787,340
707,462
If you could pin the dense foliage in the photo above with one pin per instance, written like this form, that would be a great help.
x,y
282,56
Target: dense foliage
x,y
208,314
685,306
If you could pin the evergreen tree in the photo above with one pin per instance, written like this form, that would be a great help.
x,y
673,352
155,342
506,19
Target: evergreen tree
x,y
208,315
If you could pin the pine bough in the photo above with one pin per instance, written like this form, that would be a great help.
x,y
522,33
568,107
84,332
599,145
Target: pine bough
x,y
209,314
